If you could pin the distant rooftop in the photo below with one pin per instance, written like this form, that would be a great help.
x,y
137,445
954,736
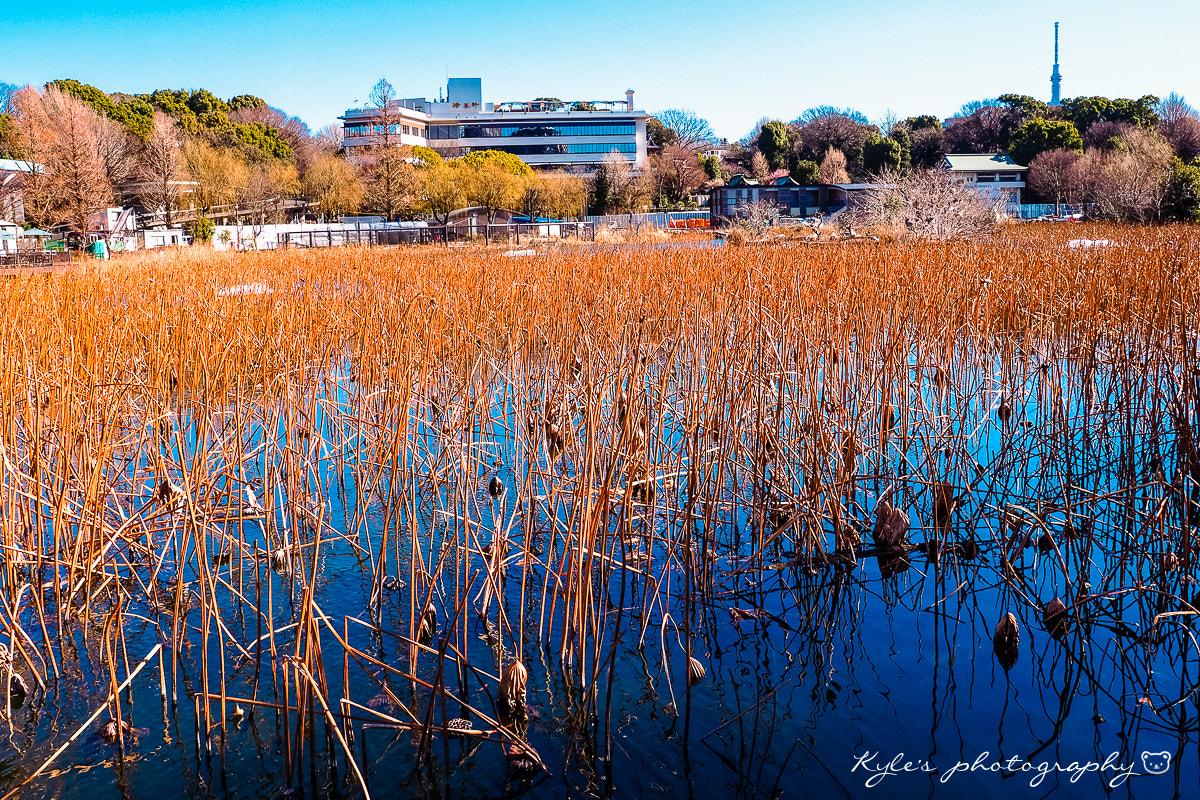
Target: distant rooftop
x,y
982,162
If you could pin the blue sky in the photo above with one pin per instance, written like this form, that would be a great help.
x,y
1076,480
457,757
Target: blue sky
x,y
730,62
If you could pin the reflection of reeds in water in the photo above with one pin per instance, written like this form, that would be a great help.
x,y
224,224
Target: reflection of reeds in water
x,y
192,459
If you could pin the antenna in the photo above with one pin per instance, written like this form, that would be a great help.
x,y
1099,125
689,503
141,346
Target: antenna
x,y
1055,76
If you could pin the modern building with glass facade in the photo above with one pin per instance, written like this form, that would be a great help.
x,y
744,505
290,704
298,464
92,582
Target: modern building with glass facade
x,y
574,135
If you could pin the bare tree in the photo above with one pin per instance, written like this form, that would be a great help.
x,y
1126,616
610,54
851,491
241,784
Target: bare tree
x,y
1054,173
392,183
57,130
629,191
925,204
7,90
1128,181
675,172
753,220
1180,125
759,167
382,95
329,139
117,150
833,167
162,166
692,132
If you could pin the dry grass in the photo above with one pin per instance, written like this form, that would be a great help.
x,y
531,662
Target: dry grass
x,y
166,443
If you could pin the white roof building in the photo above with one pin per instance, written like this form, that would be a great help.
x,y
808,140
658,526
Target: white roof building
x,y
994,175
542,133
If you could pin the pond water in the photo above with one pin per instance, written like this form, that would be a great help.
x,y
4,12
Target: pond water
x,y
859,671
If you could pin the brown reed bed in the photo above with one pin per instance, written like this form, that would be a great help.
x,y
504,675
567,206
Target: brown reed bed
x,y
189,438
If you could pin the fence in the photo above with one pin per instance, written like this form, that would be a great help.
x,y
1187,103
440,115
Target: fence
x,y
657,219
1036,210
511,232
33,259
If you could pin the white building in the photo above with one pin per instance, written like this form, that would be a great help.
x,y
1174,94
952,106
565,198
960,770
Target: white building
x,y
8,236
574,135
994,175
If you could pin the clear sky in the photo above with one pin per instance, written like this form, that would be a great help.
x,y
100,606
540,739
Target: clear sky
x,y
732,63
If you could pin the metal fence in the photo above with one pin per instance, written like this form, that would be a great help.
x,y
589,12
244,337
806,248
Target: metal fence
x,y
657,219
33,259
512,232
1036,210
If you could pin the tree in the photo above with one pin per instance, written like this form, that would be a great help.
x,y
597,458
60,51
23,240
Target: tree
x,y
267,184
329,139
1129,182
161,166
1039,135
924,204
566,195
629,189
58,131
334,185
750,140
381,97
1054,174
291,131
712,167
1182,201
393,185
117,153
1180,125
987,130
505,161
660,134
923,122
425,157
1024,104
760,168
533,197
490,185
7,90
833,167
928,147
601,191
246,101
840,132
774,144
675,172
1086,111
819,112
692,132
440,192
880,153
805,172
217,173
